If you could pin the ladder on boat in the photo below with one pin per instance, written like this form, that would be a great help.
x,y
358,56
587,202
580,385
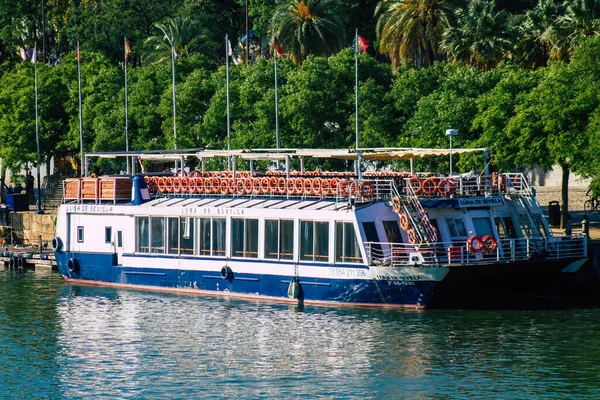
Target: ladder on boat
x,y
420,225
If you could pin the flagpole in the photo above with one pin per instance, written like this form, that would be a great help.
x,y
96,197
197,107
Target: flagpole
x,y
174,98
37,132
227,79
80,111
358,160
126,110
276,102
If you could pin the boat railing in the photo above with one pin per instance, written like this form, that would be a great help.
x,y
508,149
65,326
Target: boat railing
x,y
508,250
467,185
341,189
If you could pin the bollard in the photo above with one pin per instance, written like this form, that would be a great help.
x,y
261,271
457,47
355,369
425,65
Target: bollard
x,y
585,226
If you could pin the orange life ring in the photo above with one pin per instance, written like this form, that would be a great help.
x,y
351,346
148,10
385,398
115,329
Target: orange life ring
x,y
239,183
199,184
489,244
365,189
224,186
248,186
412,236
344,188
447,186
185,183
415,184
474,244
256,185
265,185
396,204
273,184
290,185
232,185
316,185
326,187
333,185
429,187
280,185
208,185
169,184
191,186
216,184
299,185
162,184
404,221
306,184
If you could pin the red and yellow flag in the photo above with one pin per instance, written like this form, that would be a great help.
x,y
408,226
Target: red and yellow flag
x,y
127,49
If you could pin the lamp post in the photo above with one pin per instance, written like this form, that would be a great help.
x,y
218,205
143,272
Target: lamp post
x,y
450,133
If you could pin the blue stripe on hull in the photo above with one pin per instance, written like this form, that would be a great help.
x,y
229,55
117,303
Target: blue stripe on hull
x,y
100,268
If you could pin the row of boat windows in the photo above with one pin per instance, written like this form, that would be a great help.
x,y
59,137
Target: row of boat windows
x,y
208,236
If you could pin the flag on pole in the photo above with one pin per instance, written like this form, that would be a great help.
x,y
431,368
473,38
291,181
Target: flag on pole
x,y
77,56
25,55
127,49
229,50
362,44
34,56
278,49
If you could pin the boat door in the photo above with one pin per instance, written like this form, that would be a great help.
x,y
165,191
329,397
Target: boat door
x,y
483,223
119,247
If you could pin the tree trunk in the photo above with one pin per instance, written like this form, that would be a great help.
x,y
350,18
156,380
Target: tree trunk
x,y
565,194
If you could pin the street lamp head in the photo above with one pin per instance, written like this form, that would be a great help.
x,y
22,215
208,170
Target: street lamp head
x,y
451,132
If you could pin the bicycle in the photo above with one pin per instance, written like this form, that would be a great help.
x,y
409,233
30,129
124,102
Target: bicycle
x,y
592,204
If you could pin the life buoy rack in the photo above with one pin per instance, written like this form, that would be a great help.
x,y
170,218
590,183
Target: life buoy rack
x,y
404,221
489,243
474,244
447,186
396,204
56,244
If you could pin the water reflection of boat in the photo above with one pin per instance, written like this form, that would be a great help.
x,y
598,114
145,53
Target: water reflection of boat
x,y
373,238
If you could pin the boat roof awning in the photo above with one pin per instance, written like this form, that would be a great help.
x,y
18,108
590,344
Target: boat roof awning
x,y
374,154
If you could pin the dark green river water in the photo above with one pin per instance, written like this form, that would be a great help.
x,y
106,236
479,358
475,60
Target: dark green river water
x,y
60,341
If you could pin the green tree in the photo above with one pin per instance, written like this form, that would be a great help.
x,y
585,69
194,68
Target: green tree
x,y
305,27
186,35
412,29
481,37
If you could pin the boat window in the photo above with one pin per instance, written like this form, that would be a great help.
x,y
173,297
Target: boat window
x,y
346,245
119,238
107,234
456,227
314,241
392,231
483,226
244,237
219,236
142,245
173,235
186,236
211,236
157,234
80,234
279,239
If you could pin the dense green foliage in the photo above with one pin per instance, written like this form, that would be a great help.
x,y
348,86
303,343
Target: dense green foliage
x,y
516,77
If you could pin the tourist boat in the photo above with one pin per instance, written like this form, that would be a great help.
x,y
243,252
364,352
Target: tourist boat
x,y
372,238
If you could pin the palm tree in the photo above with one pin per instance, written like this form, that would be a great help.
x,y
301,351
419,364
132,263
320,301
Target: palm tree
x,y
412,29
482,36
187,35
581,20
305,27
540,34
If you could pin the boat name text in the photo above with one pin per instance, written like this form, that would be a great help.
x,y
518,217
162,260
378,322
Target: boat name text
x,y
480,201
211,211
89,208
